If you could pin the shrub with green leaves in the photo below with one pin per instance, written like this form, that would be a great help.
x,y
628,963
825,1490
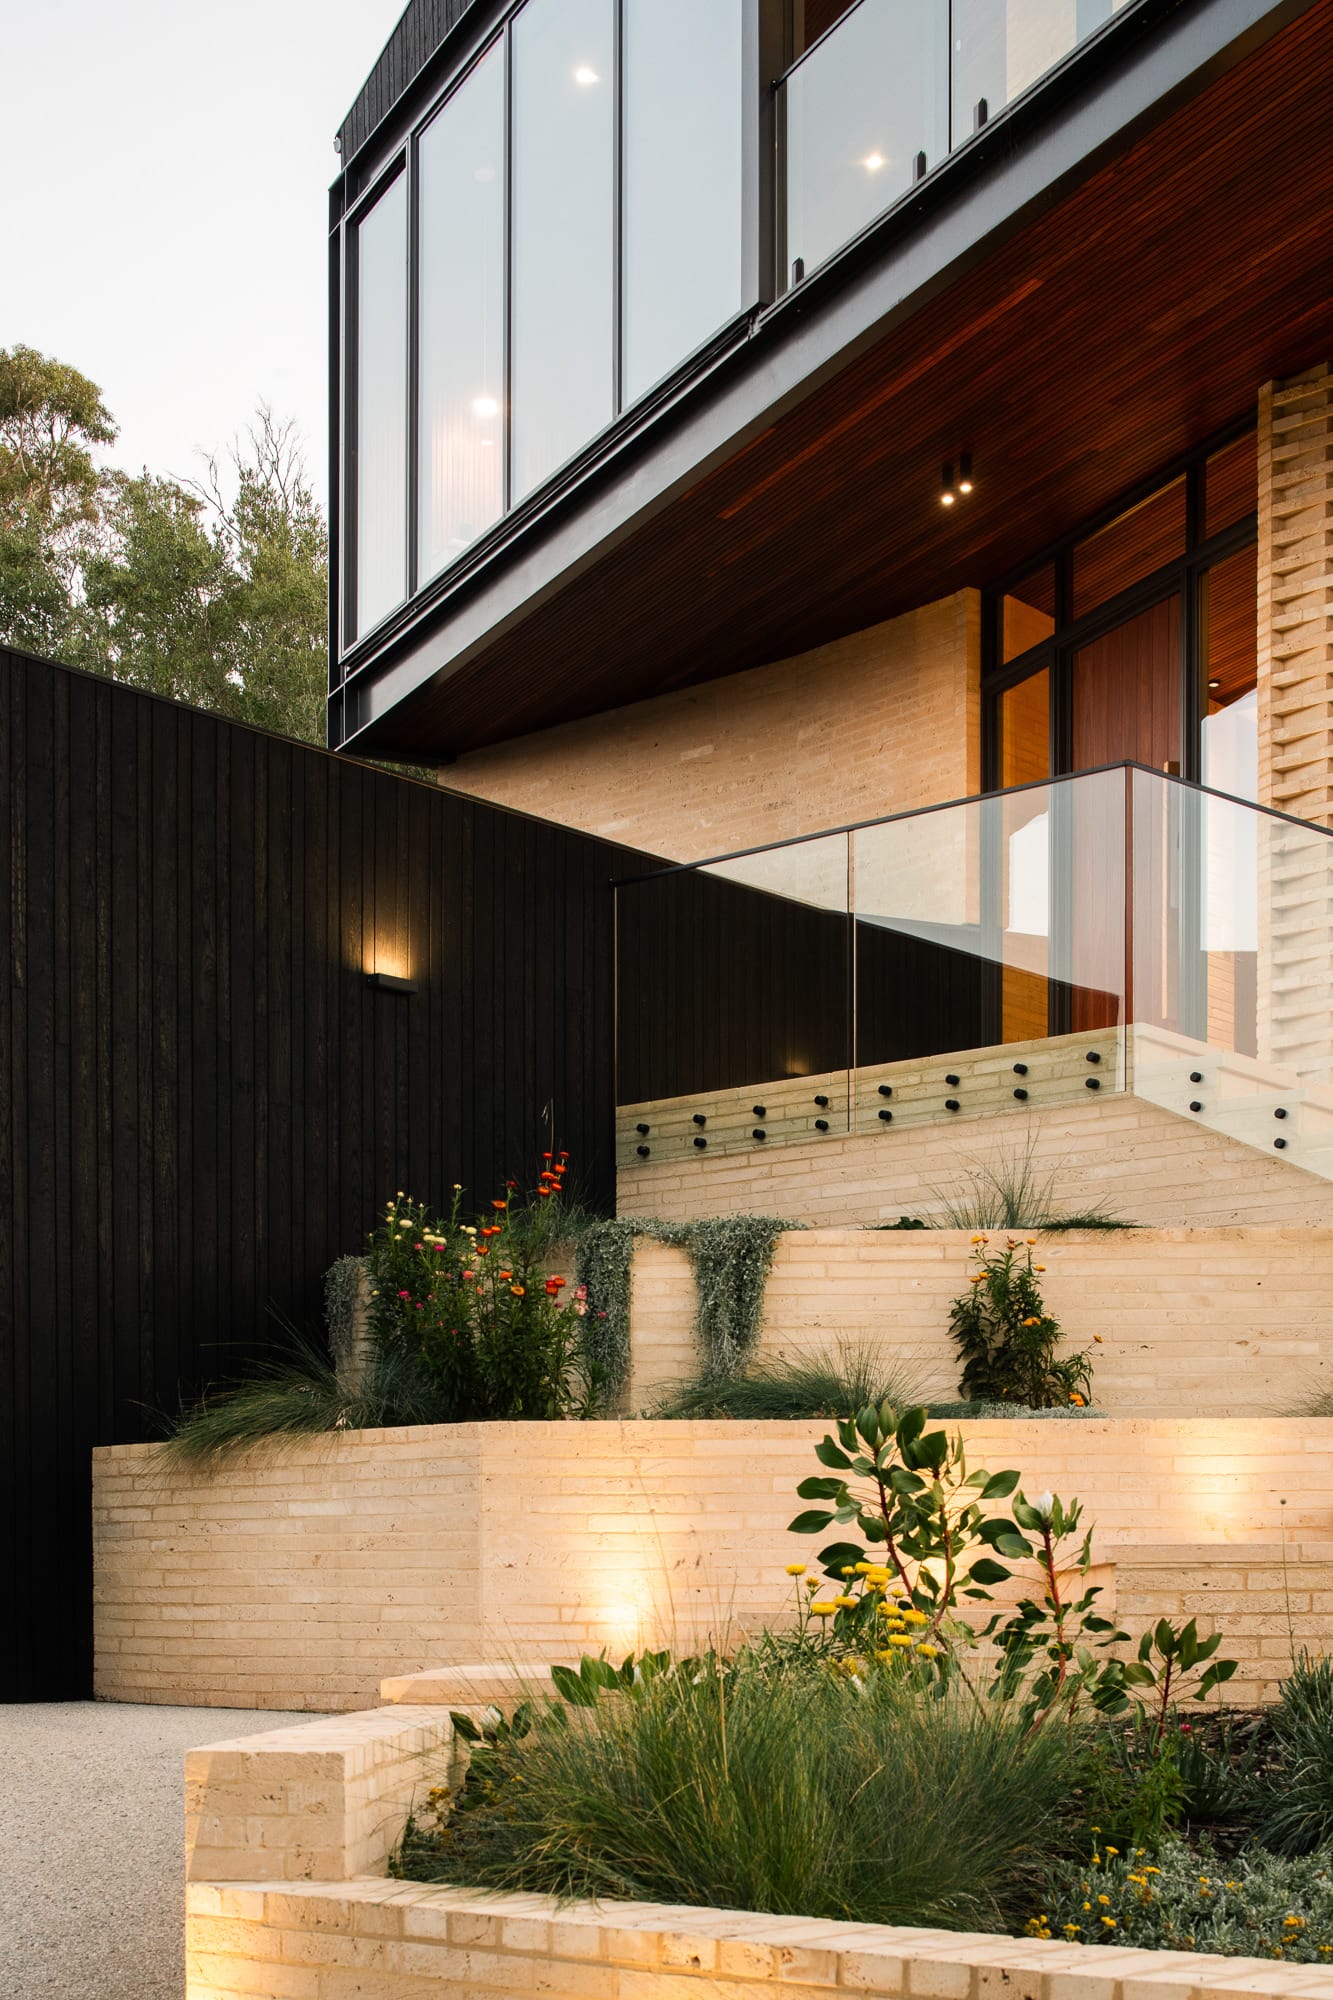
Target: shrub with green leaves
x,y
761,1785
1178,1898
1299,1813
1006,1339
824,1385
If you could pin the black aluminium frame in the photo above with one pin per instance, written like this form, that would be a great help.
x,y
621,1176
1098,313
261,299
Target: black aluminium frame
x,y
1182,576
757,269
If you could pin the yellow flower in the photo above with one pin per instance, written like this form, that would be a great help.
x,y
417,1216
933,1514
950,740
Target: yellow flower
x,y
978,1278
823,1609
899,1639
1104,1899
1032,1320
857,1569
1087,1906
848,1570
928,1651
1039,1267
796,1569
978,1239
1109,1922
845,1603
915,1618
883,1654
1110,1849
1072,1930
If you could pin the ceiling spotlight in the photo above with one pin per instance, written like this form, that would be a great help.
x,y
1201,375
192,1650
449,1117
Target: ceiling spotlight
x,y
873,162
947,494
1213,686
485,406
965,473
585,74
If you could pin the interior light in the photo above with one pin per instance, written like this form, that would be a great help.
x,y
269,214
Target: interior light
x,y
965,473
584,74
1214,686
485,406
873,162
947,494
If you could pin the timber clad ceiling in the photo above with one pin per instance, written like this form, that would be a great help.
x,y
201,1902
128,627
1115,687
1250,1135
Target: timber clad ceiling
x,y
1118,330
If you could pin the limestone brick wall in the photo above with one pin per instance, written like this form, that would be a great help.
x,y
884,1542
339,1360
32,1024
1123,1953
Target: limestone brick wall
x,y
406,1941
1215,1322
324,1801
299,1578
885,719
1295,671
1119,1154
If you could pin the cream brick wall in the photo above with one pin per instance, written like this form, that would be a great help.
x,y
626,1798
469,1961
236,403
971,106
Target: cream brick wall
x,y
885,719
406,1941
324,1801
1216,1322
1118,1154
302,1576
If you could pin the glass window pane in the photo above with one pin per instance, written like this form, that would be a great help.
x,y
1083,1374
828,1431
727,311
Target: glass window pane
x,y
682,224
1025,733
1131,547
563,320
1228,622
461,437
812,18
1231,484
380,474
1002,46
1028,613
859,109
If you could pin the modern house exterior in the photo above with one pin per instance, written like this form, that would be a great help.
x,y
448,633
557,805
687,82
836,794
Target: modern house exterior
x,y
758,418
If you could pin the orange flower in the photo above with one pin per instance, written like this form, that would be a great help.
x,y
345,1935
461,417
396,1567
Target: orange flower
x,y
544,1191
500,1204
483,1249
506,1274
1076,1398
518,1291
554,1287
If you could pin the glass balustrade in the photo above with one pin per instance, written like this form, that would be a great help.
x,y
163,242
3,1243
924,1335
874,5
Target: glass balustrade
x,y
892,88
1119,930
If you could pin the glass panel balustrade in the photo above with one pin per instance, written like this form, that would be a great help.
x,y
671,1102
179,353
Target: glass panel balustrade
x,y
1118,930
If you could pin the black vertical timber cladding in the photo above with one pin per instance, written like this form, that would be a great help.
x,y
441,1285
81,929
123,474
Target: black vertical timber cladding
x,y
202,1100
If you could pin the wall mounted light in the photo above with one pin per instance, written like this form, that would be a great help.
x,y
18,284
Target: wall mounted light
x,y
886,1090
390,982
947,494
886,1117
821,1124
965,472
822,1102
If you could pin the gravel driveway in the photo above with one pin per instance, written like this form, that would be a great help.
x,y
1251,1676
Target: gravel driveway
x,y
91,1838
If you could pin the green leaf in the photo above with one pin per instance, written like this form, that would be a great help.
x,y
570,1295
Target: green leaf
x,y
1221,1670
811,1522
828,1454
1000,1485
465,1727
840,1555
1011,1545
816,1488
986,1571
571,1688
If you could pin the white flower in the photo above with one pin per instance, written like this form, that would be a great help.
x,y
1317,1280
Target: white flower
x,y
1043,1504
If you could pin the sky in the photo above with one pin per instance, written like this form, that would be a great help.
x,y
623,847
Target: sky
x,y
165,223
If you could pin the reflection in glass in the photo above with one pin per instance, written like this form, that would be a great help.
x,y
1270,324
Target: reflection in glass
x,y
1231,484
1228,632
380,477
860,108
461,196
1025,730
1129,548
682,220
1002,46
1028,613
563,316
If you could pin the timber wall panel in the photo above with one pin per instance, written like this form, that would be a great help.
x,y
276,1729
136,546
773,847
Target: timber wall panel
x,y
202,1101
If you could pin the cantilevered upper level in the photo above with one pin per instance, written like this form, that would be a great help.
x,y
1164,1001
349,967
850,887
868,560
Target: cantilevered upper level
x,y
660,327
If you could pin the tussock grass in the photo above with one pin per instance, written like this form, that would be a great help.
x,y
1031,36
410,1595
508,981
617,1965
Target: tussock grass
x,y
834,1384
1010,1193
297,1396
774,1788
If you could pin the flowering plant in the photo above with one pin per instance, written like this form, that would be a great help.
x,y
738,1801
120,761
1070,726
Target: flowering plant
x,y
1006,1339
474,1308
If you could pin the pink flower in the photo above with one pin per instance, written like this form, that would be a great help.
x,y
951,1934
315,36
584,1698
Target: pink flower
x,y
404,1295
580,1291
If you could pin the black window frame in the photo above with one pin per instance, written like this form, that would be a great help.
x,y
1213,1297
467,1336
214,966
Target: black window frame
x,y
1182,577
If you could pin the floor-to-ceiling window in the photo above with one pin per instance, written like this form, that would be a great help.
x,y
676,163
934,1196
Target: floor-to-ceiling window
x,y
1135,641
566,226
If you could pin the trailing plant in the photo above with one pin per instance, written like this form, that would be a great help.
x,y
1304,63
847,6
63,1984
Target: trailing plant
x,y
730,1256
1178,1898
1006,1339
342,1298
1011,1193
758,1784
984,1412
828,1385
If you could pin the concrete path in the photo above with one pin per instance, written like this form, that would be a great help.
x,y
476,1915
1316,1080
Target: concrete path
x,y
91,1842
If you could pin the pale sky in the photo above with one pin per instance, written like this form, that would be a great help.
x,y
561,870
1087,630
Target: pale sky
x,y
165,220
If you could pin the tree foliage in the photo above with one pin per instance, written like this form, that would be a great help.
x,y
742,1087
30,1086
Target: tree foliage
x,y
212,592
